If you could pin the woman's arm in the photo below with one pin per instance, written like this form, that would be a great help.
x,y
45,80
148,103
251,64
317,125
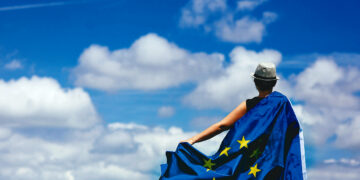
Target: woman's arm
x,y
220,126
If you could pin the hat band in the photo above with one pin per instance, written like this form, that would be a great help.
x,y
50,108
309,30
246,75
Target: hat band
x,y
268,78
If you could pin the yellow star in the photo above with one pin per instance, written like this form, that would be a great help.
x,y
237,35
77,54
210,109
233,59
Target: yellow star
x,y
243,142
225,151
254,170
208,164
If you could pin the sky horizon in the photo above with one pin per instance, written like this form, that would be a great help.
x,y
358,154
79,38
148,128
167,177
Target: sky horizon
x,y
96,89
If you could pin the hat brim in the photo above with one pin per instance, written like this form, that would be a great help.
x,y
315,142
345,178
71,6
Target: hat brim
x,y
263,79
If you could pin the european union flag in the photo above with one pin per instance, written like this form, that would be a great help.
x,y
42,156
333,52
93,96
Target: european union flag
x,y
266,143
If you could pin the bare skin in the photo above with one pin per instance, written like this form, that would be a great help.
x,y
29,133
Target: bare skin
x,y
225,123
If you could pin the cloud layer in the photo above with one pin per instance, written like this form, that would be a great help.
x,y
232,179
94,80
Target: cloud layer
x,y
50,132
116,151
123,150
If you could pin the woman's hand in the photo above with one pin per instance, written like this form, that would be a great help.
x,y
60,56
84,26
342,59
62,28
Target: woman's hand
x,y
190,141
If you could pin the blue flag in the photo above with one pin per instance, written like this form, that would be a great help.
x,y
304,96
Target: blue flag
x,y
266,143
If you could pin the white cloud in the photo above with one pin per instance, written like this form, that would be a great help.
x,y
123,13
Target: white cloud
x,y
35,158
197,12
150,63
324,83
243,30
351,162
329,161
4,133
348,134
218,17
246,29
334,172
249,4
41,102
122,149
342,161
13,65
166,111
117,151
235,84
327,92
98,171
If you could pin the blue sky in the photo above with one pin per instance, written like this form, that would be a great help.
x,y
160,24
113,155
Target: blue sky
x,y
108,73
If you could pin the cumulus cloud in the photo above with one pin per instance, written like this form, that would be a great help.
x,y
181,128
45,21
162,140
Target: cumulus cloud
x,y
42,102
13,65
347,134
235,84
82,147
166,111
219,18
329,101
319,83
150,63
116,151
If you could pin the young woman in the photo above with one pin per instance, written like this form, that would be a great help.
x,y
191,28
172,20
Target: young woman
x,y
264,141
265,79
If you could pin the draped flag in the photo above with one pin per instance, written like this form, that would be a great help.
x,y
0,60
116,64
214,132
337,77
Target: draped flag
x,y
266,143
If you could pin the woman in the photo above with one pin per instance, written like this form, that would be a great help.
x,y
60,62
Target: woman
x,y
264,141
265,79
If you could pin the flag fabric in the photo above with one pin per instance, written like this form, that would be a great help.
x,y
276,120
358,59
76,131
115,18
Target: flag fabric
x,y
266,143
